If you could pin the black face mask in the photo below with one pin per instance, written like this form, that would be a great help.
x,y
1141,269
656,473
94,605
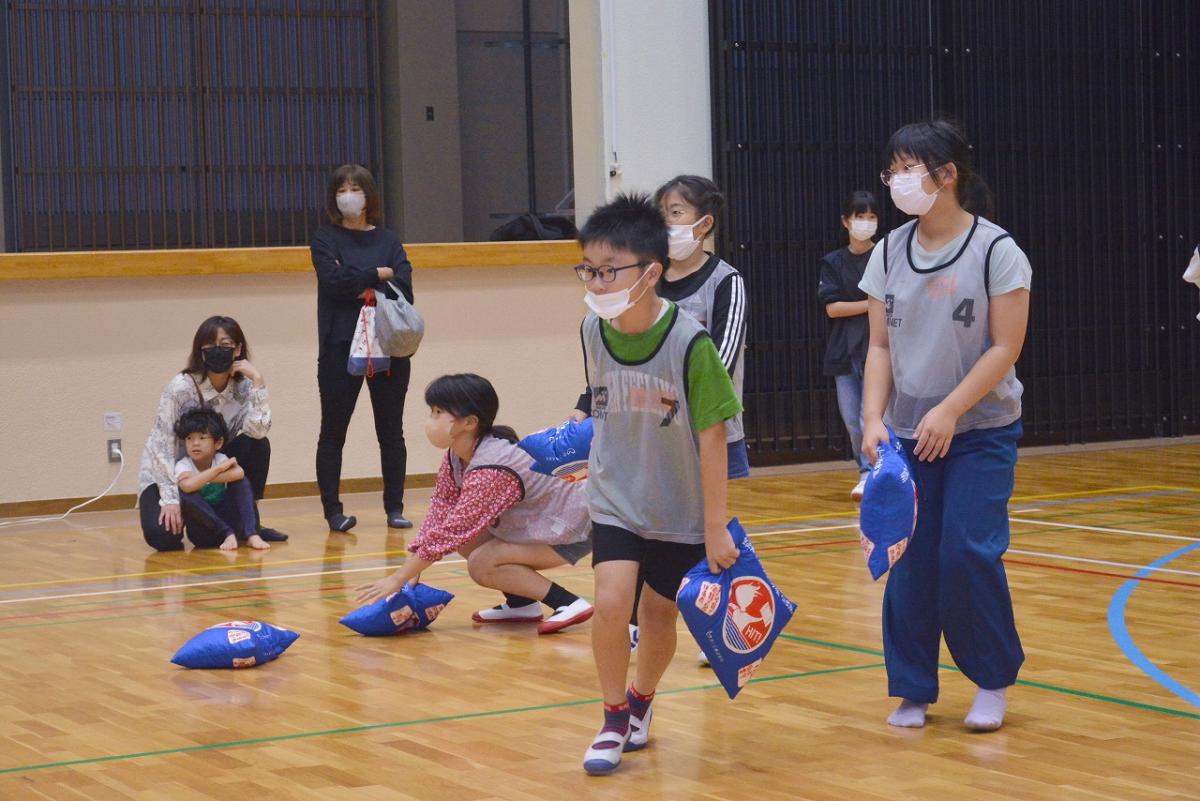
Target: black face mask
x,y
218,359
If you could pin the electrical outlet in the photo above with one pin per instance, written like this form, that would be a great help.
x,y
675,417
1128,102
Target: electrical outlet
x,y
114,450
112,421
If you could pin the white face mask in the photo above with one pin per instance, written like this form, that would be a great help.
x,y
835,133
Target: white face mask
x,y
612,305
440,430
683,241
863,230
908,194
351,204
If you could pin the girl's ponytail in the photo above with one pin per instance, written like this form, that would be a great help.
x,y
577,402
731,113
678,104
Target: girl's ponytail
x,y
505,433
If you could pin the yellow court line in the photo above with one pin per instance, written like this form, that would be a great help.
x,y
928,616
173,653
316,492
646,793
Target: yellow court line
x,y
189,570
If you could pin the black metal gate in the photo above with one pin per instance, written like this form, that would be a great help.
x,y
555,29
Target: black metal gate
x,y
181,123
1086,124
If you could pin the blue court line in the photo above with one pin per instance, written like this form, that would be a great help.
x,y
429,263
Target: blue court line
x,y
1120,632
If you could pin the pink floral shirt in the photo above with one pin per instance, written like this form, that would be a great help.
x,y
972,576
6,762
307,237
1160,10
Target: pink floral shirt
x,y
458,515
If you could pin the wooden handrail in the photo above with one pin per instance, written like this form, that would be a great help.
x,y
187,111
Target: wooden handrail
x,y
249,261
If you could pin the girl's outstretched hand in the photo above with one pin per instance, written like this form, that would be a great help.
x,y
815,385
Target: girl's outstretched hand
x,y
368,593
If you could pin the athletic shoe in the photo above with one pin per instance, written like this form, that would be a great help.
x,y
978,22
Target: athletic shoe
x,y
604,754
397,520
633,638
703,660
575,612
857,493
530,613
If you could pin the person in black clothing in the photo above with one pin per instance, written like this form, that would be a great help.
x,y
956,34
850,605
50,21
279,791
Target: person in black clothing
x,y
352,254
846,306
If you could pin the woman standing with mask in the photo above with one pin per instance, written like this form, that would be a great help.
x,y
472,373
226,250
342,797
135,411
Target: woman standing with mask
x,y
351,255
949,304
846,306
220,376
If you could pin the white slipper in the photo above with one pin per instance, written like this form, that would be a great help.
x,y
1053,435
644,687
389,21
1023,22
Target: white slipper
x,y
573,613
530,613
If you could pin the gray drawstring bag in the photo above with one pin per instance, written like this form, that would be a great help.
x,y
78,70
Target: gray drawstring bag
x,y
398,326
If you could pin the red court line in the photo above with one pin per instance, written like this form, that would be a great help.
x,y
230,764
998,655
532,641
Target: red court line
x,y
1121,576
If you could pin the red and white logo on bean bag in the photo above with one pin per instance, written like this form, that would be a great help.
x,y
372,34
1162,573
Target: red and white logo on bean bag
x,y
749,615
241,624
709,597
237,635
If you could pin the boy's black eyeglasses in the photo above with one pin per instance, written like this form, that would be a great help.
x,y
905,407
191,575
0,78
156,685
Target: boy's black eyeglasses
x,y
606,275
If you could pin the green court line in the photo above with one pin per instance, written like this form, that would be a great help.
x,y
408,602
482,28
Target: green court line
x,y
565,704
1110,699
398,724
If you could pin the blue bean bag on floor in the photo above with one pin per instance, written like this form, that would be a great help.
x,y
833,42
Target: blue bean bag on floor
x,y
411,609
236,644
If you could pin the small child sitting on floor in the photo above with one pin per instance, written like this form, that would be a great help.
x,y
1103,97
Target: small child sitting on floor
x,y
217,502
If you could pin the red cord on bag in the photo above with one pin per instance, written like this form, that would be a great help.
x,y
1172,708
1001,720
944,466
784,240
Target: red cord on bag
x,y
368,300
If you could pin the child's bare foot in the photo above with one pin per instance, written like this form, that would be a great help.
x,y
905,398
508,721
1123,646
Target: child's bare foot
x,y
258,542
230,543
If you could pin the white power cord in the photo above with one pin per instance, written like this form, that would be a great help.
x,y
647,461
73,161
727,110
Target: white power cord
x,y
25,521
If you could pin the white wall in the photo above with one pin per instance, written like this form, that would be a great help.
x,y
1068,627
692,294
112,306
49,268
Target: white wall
x,y
640,87
72,350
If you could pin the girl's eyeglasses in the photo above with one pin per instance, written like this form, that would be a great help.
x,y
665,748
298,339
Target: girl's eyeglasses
x,y
887,175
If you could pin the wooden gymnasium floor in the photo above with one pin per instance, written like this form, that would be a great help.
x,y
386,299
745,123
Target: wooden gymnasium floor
x,y
1107,705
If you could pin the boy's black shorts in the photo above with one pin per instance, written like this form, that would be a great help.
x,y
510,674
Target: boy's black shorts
x,y
663,563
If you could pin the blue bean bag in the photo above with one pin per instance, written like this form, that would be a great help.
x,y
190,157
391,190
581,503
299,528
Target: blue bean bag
x,y
411,609
887,516
236,644
561,451
735,615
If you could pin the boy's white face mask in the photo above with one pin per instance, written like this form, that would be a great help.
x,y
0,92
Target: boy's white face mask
x,y
612,305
